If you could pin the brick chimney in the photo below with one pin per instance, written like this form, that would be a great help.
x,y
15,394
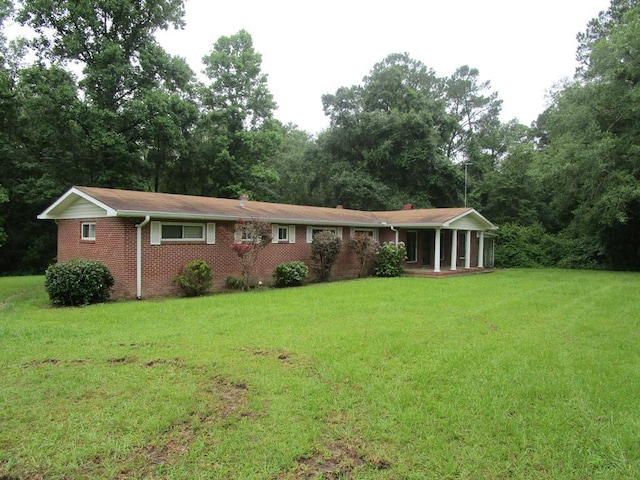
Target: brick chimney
x,y
339,207
407,206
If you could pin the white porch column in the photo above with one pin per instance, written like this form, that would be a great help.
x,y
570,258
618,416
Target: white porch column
x,y
436,253
467,250
454,249
481,250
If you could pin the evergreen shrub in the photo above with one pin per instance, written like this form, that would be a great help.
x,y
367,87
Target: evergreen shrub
x,y
290,274
390,259
233,283
196,278
78,282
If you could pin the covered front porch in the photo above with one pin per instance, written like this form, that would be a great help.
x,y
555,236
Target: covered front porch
x,y
442,250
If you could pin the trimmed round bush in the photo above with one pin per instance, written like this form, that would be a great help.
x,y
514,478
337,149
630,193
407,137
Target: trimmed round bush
x,y
78,282
290,274
196,278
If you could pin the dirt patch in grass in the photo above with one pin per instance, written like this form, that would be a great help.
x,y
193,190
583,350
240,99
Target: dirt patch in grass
x,y
280,355
338,460
178,444
336,457
225,399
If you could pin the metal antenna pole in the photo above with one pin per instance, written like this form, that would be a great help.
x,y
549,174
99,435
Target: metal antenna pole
x,y
466,164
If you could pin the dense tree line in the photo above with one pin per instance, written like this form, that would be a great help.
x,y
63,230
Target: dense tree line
x,y
93,99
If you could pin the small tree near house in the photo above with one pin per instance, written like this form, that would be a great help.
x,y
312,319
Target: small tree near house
x,y
364,246
249,238
325,248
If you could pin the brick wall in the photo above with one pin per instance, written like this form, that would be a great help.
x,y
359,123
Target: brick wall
x,y
115,245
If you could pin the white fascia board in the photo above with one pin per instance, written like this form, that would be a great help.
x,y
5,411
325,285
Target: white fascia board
x,y
232,218
414,225
67,199
474,212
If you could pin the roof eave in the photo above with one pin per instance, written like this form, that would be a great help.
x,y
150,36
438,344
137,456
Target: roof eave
x,y
221,217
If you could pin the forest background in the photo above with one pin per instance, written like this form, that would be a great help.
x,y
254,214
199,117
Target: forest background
x,y
93,99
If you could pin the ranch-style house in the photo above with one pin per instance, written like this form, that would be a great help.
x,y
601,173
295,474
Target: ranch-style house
x,y
147,238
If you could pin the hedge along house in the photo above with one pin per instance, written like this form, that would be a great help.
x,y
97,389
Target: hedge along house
x,y
147,238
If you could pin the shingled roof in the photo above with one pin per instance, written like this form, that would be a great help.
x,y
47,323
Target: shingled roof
x,y
128,203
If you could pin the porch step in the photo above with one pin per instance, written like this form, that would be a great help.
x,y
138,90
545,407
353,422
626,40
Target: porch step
x,y
428,272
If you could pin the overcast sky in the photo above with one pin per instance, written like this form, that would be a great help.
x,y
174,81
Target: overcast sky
x,y
309,48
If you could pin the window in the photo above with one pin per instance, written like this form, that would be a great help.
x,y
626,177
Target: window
x,y
89,231
175,231
311,231
372,232
283,234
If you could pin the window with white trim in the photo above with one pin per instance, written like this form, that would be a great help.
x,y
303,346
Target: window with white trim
x,y
182,231
372,232
167,232
283,234
311,231
88,231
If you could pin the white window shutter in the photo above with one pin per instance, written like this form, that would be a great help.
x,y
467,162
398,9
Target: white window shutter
x,y
309,234
211,233
292,234
274,233
339,232
156,233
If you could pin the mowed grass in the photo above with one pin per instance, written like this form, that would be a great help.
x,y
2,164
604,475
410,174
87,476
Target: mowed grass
x,y
523,374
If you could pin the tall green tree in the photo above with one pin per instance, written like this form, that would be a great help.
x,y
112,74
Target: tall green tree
x,y
121,62
7,112
590,142
240,135
391,133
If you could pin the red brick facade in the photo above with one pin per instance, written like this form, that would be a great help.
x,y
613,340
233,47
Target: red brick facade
x,y
115,245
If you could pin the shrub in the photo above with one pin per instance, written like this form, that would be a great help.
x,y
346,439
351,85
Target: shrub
x,y
290,274
389,259
325,248
364,246
247,240
196,278
233,283
78,282
526,246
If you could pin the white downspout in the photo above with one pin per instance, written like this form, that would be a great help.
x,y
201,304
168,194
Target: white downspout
x,y
139,227
393,229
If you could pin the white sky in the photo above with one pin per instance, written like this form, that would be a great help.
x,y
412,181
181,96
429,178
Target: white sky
x,y
522,47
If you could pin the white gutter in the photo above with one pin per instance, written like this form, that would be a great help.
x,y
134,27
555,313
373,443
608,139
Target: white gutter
x,y
393,229
139,227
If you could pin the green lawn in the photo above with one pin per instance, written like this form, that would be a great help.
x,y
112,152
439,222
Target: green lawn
x,y
517,374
